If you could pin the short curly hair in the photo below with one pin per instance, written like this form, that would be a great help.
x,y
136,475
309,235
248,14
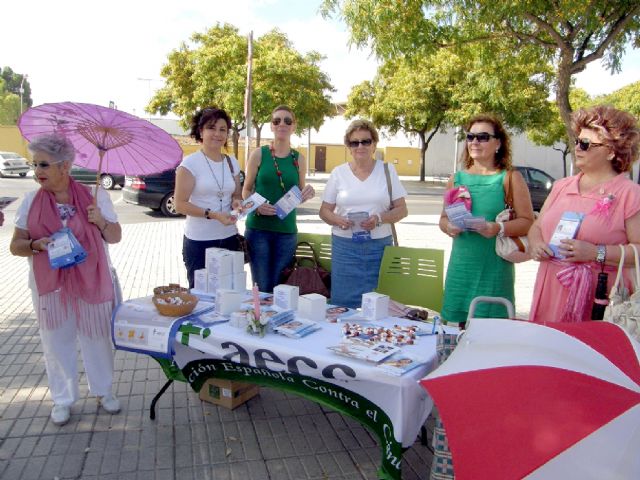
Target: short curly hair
x,y
503,155
617,128
204,117
57,146
361,124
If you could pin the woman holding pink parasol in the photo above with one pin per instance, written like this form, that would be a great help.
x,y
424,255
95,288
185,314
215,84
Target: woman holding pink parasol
x,y
74,302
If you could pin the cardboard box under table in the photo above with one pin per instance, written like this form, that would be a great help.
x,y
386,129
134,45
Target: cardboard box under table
x,y
227,393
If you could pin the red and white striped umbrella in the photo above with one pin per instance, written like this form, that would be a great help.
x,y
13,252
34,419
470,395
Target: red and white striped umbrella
x,y
556,401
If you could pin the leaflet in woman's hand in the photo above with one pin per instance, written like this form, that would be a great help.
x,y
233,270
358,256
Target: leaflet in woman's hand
x,y
462,218
249,205
288,202
566,229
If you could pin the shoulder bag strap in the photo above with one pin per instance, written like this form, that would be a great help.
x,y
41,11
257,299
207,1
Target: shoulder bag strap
x,y
229,163
635,252
614,289
388,177
315,260
508,195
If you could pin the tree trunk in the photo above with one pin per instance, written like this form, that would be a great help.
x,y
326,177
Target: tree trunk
x,y
562,94
258,133
235,138
424,145
423,153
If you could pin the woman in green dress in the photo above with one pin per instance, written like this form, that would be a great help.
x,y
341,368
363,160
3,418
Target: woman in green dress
x,y
474,267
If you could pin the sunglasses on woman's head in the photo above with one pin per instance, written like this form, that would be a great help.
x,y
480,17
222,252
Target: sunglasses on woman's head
x,y
585,144
287,120
482,137
356,143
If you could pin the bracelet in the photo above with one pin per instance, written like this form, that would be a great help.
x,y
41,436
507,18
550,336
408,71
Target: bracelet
x,y
501,229
206,213
379,222
33,250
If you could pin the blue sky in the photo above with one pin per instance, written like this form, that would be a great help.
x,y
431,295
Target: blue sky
x,y
113,51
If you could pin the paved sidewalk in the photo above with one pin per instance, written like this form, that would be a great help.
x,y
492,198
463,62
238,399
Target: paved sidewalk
x,y
273,436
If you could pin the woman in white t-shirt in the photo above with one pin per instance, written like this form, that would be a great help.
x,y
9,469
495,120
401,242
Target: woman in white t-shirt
x,y
356,203
207,189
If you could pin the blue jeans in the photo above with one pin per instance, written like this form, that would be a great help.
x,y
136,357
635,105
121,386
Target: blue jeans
x,y
270,252
354,269
193,252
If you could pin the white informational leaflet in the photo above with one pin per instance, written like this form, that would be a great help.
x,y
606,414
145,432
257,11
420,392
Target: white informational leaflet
x,y
462,218
359,234
249,205
4,201
288,202
566,229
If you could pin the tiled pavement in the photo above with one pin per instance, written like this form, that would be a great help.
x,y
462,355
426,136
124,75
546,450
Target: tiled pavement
x,y
273,436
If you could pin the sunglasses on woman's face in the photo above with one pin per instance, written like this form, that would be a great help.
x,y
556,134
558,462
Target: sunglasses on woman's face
x,y
287,120
482,137
43,165
585,144
356,143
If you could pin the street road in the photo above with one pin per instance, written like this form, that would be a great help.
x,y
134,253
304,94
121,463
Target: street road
x,y
418,204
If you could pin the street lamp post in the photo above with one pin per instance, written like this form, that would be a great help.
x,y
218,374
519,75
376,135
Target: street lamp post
x,y
22,92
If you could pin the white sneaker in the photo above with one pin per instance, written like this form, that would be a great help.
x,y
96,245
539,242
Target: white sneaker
x,y
60,414
110,403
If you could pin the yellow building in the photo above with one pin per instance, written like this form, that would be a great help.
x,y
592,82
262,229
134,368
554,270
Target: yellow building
x,y
323,158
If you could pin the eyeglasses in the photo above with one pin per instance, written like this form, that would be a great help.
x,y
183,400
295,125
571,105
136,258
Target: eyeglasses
x,y
287,121
585,144
42,165
356,143
482,137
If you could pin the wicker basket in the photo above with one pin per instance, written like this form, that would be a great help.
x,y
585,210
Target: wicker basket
x,y
171,288
171,310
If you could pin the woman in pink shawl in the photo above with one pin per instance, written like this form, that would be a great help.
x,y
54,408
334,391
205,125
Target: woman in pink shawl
x,y
73,302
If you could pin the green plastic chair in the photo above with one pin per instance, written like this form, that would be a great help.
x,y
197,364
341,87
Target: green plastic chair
x,y
321,245
413,276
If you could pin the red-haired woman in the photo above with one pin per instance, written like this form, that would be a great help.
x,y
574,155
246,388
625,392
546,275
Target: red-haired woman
x,y
606,147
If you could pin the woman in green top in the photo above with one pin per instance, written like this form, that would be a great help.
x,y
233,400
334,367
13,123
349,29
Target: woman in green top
x,y
272,171
474,267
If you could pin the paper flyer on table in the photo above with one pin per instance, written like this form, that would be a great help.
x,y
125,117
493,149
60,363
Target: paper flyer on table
x,y
288,202
5,201
249,205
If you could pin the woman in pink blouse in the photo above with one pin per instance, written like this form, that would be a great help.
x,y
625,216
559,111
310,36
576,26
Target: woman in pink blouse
x,y
606,147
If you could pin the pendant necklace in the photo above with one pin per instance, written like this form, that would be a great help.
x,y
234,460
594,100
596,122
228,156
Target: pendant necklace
x,y
220,193
277,167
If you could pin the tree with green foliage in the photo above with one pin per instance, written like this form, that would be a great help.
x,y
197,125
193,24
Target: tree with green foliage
x,y
570,34
553,133
213,71
626,98
445,89
10,83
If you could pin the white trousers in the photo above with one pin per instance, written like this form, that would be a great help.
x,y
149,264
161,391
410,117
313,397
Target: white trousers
x,y
61,360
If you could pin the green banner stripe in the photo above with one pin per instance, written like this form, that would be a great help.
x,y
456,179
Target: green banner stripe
x,y
319,391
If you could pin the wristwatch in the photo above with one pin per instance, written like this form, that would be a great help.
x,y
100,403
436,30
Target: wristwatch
x,y
206,213
379,222
602,253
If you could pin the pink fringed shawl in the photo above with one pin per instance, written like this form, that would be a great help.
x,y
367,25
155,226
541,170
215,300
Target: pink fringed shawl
x,y
89,281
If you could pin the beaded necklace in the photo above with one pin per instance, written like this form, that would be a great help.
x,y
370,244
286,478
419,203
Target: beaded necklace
x,y
275,163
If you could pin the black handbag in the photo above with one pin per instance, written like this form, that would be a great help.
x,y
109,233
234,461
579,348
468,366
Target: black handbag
x,y
243,247
309,278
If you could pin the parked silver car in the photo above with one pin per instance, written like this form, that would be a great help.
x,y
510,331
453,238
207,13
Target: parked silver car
x,y
13,164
